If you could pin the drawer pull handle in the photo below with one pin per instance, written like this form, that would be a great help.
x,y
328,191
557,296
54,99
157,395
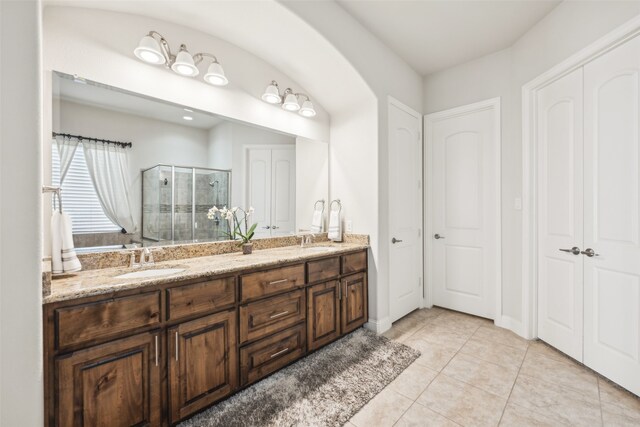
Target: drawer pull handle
x,y
278,353
275,282
279,314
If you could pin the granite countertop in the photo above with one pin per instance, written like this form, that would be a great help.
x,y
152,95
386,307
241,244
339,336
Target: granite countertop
x,y
104,281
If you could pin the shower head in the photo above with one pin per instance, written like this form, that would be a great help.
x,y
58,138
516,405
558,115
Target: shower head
x,y
213,184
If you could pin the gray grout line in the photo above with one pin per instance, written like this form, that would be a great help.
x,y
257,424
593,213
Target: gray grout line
x,y
514,383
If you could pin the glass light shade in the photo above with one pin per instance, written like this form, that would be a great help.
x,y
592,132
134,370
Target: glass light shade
x,y
184,64
215,75
307,109
271,94
291,103
149,51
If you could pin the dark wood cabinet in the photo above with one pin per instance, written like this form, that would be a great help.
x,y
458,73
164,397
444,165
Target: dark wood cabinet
x,y
111,385
154,355
202,363
323,314
354,302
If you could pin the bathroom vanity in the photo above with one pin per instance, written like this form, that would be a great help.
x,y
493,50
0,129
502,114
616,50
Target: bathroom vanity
x,y
156,350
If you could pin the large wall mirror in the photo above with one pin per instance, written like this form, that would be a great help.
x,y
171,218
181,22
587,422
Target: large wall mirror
x,y
136,171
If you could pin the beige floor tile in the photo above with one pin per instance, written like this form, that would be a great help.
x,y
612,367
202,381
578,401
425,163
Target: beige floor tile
x,y
544,349
462,403
555,402
517,416
412,382
443,336
487,376
567,374
616,395
383,410
500,336
421,416
461,323
434,356
499,354
411,321
613,415
398,334
429,313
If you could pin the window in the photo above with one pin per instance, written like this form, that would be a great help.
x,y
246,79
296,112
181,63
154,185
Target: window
x,y
79,198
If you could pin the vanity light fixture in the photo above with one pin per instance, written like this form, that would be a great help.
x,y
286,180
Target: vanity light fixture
x,y
288,100
154,49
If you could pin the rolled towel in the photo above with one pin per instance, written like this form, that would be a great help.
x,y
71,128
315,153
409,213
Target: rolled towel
x,y
335,228
70,261
316,222
56,243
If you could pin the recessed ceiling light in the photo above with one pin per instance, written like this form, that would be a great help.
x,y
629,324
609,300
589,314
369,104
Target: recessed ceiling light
x,y
187,118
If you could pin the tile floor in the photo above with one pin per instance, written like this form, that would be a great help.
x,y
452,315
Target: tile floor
x,y
472,373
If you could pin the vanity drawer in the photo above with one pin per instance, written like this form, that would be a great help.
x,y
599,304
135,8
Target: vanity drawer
x,y
261,358
98,321
323,269
202,297
271,315
354,262
265,283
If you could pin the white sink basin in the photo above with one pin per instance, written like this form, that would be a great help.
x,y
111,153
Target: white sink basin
x,y
319,249
156,272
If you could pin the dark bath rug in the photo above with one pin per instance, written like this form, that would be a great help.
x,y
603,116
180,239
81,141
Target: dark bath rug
x,y
326,388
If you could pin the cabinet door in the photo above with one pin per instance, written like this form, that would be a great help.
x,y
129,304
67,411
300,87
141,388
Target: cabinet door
x,y
323,314
354,302
202,363
110,385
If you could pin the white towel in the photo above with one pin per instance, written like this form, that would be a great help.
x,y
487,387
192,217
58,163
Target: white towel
x,y
316,222
63,254
335,227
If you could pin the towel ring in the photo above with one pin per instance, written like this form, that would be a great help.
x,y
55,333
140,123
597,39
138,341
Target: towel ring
x,y
334,202
315,205
56,192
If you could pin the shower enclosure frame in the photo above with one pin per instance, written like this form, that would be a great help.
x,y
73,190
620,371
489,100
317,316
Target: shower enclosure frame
x,y
173,194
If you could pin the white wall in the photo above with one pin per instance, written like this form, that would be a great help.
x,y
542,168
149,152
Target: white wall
x,y
21,386
312,180
153,141
359,162
568,28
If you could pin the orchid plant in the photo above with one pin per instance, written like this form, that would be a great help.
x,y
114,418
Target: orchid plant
x,y
238,220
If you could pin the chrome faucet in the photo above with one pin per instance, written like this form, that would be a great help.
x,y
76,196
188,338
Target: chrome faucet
x,y
146,258
306,239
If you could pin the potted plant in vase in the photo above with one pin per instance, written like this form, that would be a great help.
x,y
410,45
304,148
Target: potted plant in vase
x,y
239,227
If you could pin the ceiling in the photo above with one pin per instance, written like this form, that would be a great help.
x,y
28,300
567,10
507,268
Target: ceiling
x,y
102,96
432,35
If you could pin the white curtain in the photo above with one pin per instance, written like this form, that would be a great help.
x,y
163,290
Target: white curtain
x,y
66,150
109,171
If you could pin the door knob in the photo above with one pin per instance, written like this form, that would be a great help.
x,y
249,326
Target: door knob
x,y
574,250
589,252
274,227
437,236
266,227
394,240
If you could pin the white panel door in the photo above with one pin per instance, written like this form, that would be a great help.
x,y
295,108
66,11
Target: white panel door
x,y
612,215
560,214
465,212
405,210
259,189
283,187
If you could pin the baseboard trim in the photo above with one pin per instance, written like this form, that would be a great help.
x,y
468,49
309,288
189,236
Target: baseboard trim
x,y
511,324
378,326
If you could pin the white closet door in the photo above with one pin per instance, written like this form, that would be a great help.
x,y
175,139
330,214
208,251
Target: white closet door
x,y
465,175
259,189
283,200
560,214
612,215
